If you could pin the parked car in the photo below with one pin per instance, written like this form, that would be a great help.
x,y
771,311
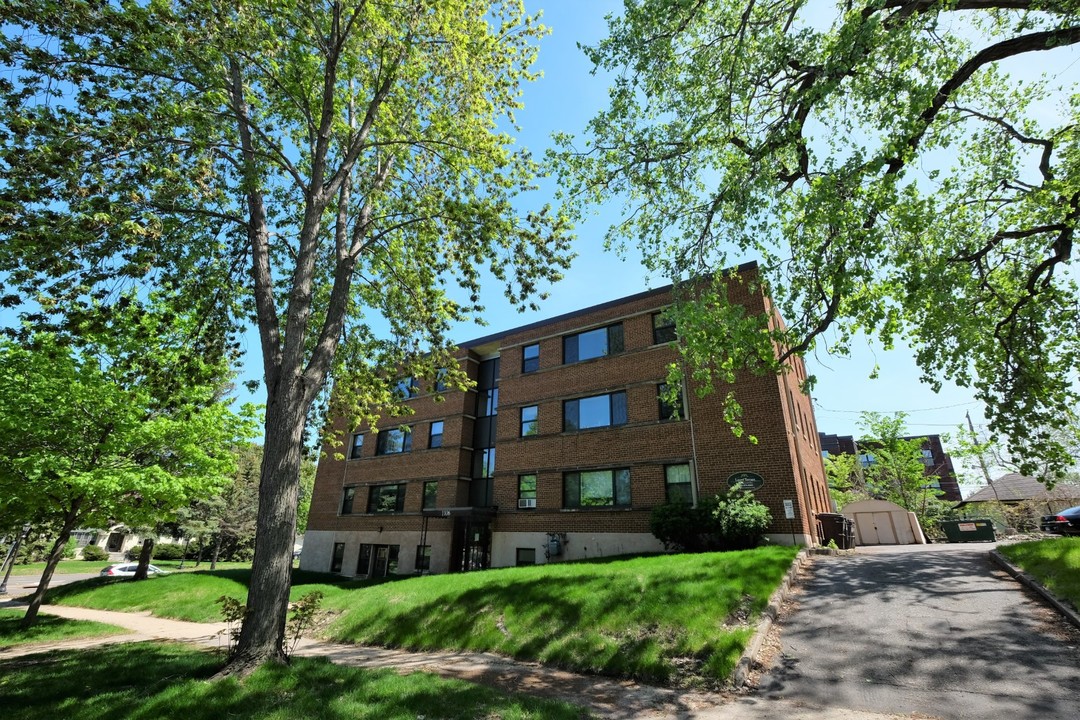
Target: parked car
x,y
1066,522
128,570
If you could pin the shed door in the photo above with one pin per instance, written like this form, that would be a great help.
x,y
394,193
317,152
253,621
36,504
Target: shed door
x,y
883,523
875,528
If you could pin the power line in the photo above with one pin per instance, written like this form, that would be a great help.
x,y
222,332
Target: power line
x,y
893,412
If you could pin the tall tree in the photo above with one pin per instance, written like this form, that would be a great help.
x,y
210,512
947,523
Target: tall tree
x,y
883,165
83,442
347,162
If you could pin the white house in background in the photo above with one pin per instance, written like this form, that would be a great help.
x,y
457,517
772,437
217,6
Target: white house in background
x,y
116,541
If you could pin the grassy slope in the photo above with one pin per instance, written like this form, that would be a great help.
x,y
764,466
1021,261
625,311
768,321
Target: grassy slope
x,y
48,629
148,681
643,617
1055,563
657,618
185,596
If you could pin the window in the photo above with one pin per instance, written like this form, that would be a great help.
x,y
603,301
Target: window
x,y
593,344
337,558
530,358
404,388
594,412
357,446
928,458
663,328
397,440
435,438
387,498
526,491
440,380
423,557
347,500
867,459
667,410
526,556
530,424
597,488
677,482
487,402
363,561
483,463
431,494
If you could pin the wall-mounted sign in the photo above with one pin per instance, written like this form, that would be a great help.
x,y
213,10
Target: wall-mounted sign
x,y
789,509
746,481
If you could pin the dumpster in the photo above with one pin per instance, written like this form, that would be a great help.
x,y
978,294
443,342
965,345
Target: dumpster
x,y
976,530
837,528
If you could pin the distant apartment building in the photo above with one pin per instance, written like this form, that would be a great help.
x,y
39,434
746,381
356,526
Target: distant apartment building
x,y
560,452
937,463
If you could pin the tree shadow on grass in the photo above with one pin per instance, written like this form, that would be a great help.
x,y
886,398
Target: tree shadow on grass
x,y
149,681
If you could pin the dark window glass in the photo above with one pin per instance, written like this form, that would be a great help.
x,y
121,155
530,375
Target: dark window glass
x,y
337,558
489,374
423,557
483,463
363,562
482,492
663,328
526,556
530,423
392,559
530,358
677,481
347,500
596,411
431,494
597,488
487,402
357,447
440,380
405,388
435,439
593,344
526,491
668,411
387,498
396,440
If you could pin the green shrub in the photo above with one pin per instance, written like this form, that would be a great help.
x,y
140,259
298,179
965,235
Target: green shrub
x,y
729,521
69,548
168,551
94,553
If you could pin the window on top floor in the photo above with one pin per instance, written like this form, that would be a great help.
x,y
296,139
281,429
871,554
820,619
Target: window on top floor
x,y
404,388
593,344
530,358
595,412
663,328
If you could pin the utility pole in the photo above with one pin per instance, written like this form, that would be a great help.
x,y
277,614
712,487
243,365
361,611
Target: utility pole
x,y
982,461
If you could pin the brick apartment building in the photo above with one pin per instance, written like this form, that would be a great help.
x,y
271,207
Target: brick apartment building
x,y
559,453
937,464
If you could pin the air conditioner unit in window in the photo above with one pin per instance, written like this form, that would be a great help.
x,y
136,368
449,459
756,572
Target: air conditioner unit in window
x,y
527,503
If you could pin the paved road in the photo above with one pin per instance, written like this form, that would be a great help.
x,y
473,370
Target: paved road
x,y
22,585
931,629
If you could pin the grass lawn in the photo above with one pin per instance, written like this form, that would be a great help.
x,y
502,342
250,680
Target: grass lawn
x,y
147,681
661,619
669,619
70,567
184,596
1055,563
48,629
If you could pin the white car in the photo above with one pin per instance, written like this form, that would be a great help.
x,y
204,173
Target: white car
x,y
128,570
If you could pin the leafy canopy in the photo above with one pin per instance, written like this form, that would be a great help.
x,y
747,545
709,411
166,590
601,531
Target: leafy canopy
x,y
882,165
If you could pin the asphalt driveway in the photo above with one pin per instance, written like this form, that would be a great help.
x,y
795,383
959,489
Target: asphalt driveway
x,y
936,631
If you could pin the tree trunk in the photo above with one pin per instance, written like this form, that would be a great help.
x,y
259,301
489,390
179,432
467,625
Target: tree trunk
x,y
183,558
262,636
144,559
215,552
55,556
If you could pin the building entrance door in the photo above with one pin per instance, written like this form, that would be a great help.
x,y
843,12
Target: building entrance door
x,y
471,547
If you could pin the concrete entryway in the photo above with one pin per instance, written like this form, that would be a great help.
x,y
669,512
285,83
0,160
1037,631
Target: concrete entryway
x,y
935,630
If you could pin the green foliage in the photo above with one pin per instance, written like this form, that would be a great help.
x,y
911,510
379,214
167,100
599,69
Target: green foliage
x,y
94,553
728,521
879,160
1055,563
302,616
69,548
170,681
232,612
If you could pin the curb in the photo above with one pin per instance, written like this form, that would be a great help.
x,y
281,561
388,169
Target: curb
x,y
1027,580
772,610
